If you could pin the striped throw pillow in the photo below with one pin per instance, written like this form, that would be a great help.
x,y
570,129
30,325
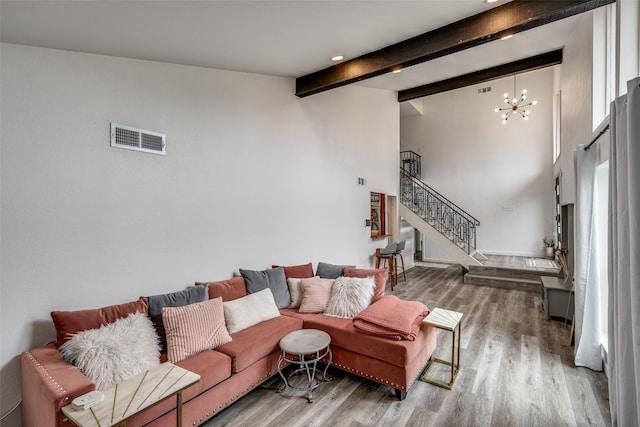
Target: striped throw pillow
x,y
193,328
315,295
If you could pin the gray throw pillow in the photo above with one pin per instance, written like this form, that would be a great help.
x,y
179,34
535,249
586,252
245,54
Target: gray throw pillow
x,y
188,296
177,299
331,271
273,279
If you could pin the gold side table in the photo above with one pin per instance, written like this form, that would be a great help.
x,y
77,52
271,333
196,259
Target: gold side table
x,y
449,321
135,395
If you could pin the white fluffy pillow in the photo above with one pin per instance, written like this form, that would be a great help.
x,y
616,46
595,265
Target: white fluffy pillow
x,y
349,296
250,310
116,351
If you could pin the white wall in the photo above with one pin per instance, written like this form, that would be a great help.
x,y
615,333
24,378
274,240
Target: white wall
x,y
483,165
576,86
252,176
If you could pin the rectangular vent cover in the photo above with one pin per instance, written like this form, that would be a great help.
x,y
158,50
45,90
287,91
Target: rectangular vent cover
x,y
484,89
137,139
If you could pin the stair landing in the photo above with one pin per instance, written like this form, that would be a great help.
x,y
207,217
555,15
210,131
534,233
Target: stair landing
x,y
512,272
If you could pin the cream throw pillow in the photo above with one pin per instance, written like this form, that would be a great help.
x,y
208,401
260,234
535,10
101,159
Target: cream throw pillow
x,y
315,294
295,290
193,328
247,311
116,351
349,296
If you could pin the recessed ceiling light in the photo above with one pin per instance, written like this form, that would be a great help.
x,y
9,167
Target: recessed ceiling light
x,y
337,58
490,1
507,37
399,70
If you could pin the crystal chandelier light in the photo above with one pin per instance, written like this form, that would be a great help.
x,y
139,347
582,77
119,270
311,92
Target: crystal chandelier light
x,y
515,105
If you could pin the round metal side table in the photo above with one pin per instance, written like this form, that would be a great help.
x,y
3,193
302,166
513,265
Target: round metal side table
x,y
305,348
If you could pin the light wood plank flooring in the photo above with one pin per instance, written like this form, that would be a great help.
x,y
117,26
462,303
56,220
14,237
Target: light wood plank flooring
x,y
517,370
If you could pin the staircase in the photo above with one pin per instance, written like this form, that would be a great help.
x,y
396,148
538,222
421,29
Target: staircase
x,y
435,216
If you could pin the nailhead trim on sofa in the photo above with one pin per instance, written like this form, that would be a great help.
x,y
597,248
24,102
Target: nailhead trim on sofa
x,y
46,374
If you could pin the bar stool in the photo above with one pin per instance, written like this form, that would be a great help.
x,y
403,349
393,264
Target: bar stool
x,y
398,253
387,255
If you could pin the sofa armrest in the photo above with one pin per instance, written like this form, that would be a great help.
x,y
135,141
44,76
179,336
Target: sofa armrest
x,y
48,384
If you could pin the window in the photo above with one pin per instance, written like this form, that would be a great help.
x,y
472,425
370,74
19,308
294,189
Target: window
x,y
604,62
556,126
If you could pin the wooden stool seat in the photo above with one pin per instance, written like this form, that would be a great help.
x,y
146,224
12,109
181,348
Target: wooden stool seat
x,y
384,256
398,253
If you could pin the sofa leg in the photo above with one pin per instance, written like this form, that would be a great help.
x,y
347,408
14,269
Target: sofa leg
x,y
401,395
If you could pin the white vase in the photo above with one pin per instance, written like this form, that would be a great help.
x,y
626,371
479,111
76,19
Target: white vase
x,y
548,252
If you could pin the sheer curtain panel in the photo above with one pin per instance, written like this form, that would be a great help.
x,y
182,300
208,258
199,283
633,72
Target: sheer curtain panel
x,y
624,258
587,296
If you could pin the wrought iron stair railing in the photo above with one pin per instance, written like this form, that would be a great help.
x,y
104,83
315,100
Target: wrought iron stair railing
x,y
442,214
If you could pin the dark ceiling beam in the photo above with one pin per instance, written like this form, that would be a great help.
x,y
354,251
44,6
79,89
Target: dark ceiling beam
x,y
493,24
527,64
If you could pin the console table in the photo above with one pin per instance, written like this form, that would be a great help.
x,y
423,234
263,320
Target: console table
x,y
556,297
135,395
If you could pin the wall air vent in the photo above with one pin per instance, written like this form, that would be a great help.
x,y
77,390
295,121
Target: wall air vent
x,y
484,90
137,139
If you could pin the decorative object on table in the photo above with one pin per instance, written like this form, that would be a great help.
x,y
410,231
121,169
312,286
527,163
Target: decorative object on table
x,y
549,244
515,105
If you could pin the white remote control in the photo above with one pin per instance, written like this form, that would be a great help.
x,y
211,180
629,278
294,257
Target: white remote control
x,y
86,401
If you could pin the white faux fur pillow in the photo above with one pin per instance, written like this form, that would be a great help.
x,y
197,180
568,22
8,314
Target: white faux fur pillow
x,y
250,310
116,351
349,296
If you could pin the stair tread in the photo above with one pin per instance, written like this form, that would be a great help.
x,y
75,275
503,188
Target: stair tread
x,y
503,278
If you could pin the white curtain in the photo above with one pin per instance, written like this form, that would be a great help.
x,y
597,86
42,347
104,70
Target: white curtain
x,y
624,258
587,295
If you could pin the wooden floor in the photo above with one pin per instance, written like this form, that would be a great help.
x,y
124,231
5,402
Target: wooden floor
x,y
517,370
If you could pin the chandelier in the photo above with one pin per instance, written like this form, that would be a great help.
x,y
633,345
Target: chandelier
x,y
515,105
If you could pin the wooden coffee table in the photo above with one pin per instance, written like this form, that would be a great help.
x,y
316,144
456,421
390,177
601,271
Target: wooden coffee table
x,y
135,395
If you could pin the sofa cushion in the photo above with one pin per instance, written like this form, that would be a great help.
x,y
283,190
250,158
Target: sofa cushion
x,y
315,295
193,328
228,290
331,271
298,271
71,322
256,342
187,296
291,312
114,352
379,275
213,368
349,296
273,279
245,312
399,353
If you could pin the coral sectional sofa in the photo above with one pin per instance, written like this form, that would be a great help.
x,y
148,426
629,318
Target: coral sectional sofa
x,y
229,371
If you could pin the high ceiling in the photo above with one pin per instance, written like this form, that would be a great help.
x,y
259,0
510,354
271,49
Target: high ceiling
x,y
284,38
